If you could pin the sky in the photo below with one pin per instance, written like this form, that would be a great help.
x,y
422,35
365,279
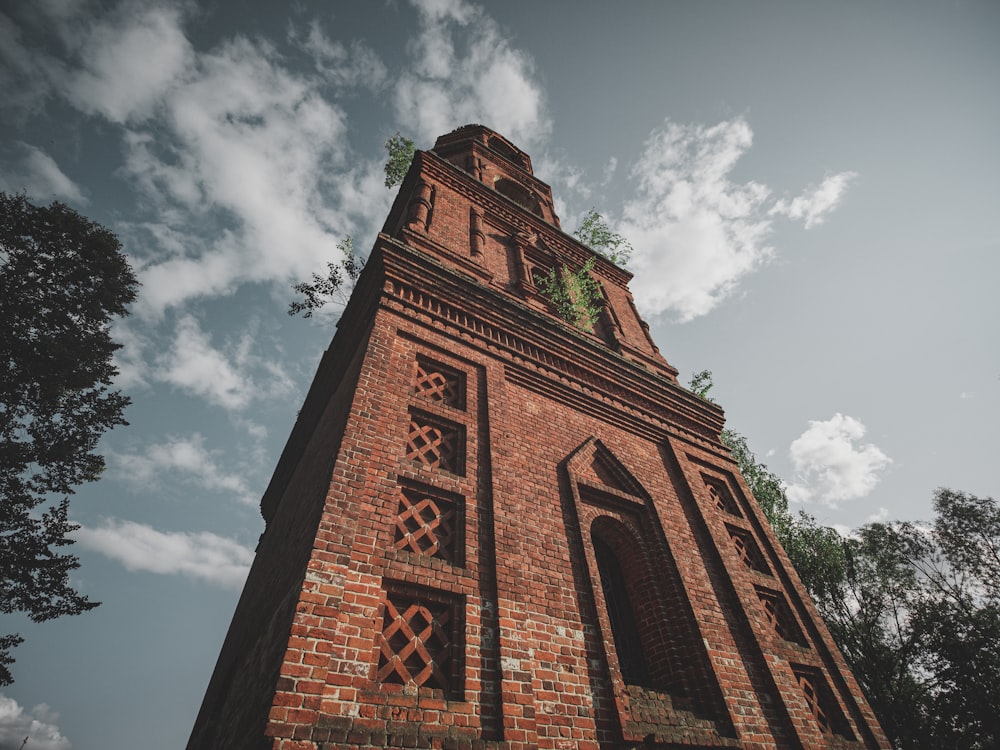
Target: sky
x,y
810,188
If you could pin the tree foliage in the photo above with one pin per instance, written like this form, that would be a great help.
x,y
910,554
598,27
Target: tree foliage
x,y
915,608
330,288
400,151
595,233
576,295
62,280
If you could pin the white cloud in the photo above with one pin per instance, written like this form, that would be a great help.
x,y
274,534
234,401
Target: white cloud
x,y
199,554
40,177
609,170
815,203
194,365
186,455
879,516
340,64
129,62
242,162
38,724
130,359
696,232
831,466
486,81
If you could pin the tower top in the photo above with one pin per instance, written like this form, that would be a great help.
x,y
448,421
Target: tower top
x,y
460,139
499,164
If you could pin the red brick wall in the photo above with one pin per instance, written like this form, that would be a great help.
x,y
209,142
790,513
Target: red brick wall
x,y
445,590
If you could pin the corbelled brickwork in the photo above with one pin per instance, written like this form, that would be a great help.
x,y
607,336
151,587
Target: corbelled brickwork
x,y
491,529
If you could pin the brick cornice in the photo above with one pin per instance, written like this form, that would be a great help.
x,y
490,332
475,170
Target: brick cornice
x,y
541,353
499,207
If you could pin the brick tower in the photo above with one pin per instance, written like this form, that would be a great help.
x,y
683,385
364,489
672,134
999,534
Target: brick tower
x,y
493,529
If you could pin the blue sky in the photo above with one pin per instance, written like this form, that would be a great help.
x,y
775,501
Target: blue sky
x,y
811,192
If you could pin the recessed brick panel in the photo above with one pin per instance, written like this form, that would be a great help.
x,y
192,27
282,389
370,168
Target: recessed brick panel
x,y
420,641
435,442
439,383
429,524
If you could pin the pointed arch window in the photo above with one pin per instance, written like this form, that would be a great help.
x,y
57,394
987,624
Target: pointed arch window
x,y
624,628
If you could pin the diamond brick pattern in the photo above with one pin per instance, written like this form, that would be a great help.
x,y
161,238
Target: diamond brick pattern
x,y
426,525
436,382
814,699
778,615
436,443
721,496
747,549
417,642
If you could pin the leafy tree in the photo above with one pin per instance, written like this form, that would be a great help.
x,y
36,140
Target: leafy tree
x,y
915,609
868,609
575,294
325,289
400,152
62,280
597,235
957,619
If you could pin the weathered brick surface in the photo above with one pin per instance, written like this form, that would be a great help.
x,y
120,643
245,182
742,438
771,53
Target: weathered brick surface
x,y
466,471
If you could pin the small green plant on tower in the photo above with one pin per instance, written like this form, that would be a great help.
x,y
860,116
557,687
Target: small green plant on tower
x,y
576,295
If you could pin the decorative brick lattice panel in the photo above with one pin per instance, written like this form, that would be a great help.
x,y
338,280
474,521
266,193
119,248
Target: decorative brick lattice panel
x,y
778,615
427,524
418,642
436,443
439,383
721,496
747,549
822,705
812,687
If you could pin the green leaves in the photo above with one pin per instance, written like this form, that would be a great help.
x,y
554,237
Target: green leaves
x,y
62,280
400,151
576,295
595,233
323,290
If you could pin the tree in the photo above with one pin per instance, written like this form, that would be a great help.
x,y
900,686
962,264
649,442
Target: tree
x,y
400,150
595,233
62,280
868,609
914,608
956,620
325,289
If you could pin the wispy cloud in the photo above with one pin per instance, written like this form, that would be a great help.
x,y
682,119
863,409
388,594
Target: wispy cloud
x,y
128,61
486,80
184,456
831,465
39,724
197,554
697,232
37,174
240,161
223,378
342,65
816,202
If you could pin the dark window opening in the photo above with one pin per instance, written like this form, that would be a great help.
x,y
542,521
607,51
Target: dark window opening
x,y
623,623
519,194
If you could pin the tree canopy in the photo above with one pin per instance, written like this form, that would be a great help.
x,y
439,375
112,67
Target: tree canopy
x,y
914,607
62,280
400,151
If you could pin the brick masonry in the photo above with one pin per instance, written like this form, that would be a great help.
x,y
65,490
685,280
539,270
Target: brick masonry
x,y
490,529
